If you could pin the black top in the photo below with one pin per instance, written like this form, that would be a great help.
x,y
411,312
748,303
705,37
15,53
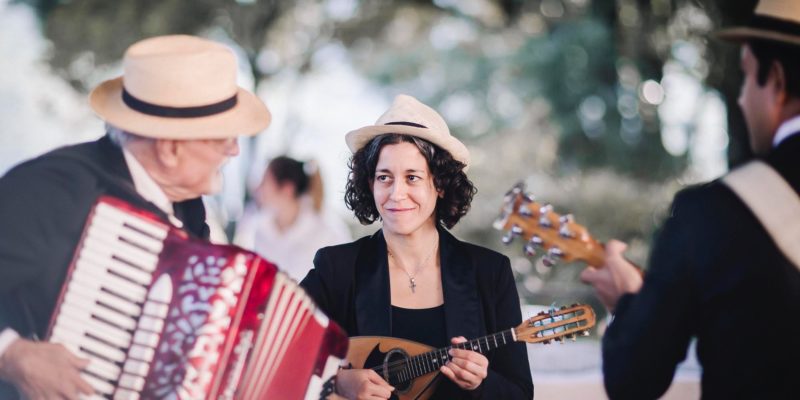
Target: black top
x,y
714,274
350,283
422,325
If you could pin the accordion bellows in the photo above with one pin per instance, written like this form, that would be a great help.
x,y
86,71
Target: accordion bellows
x,y
164,316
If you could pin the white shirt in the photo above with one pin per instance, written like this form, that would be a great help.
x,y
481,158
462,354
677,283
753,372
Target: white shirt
x,y
291,250
147,188
788,128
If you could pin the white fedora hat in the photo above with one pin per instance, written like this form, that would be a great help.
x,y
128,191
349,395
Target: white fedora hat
x,y
408,116
773,20
179,87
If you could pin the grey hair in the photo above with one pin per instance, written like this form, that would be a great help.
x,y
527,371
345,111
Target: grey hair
x,y
122,137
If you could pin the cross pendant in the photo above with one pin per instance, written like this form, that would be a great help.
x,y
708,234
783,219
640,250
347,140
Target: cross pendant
x,y
412,283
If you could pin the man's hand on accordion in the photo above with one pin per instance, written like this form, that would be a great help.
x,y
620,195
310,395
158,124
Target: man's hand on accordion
x,y
43,370
362,384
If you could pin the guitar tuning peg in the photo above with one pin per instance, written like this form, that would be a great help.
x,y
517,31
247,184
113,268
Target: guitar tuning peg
x,y
560,340
574,339
553,255
566,219
544,212
509,236
529,249
528,197
546,341
518,188
524,211
565,232
555,252
585,333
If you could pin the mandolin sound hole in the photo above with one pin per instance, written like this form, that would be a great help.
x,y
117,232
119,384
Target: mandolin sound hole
x,y
393,359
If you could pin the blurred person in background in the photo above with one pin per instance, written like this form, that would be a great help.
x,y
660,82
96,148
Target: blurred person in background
x,y
171,125
412,279
287,223
715,272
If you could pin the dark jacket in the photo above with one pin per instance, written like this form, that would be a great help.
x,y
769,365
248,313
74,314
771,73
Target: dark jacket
x,y
44,204
716,275
350,283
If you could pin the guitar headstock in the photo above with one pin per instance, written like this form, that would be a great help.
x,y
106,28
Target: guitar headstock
x,y
542,228
557,324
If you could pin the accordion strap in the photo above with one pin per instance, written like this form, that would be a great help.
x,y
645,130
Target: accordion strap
x,y
773,202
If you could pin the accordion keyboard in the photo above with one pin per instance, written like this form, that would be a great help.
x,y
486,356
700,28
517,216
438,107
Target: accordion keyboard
x,y
108,315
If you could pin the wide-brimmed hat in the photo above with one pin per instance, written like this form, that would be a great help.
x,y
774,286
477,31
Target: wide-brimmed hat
x,y
179,87
774,20
408,116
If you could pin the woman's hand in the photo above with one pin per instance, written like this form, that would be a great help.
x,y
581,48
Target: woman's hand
x,y
362,384
467,368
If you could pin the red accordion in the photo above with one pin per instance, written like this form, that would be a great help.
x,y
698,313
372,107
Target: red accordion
x,y
164,316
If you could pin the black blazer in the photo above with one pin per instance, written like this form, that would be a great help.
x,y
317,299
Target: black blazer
x,y
350,282
44,203
716,275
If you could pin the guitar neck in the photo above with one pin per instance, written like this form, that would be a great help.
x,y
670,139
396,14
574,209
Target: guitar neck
x,y
431,361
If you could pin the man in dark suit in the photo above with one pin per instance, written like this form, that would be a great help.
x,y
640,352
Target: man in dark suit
x,y
172,123
715,272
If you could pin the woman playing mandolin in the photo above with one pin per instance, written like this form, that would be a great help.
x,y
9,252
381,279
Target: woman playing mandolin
x,y
412,280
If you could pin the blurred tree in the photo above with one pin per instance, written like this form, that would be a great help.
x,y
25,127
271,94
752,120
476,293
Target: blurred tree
x,y
104,29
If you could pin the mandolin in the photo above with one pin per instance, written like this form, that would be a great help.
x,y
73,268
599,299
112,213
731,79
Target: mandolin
x,y
413,368
559,236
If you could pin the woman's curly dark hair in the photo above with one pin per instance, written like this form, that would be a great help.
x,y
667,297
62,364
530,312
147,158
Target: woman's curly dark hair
x,y
448,178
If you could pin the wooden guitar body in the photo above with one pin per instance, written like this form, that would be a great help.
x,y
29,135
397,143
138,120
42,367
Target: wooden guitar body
x,y
381,352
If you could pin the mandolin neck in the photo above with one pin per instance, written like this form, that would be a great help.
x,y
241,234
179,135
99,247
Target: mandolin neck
x,y
431,361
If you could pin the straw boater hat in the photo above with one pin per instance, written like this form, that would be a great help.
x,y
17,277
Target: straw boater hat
x,y
409,116
179,87
774,20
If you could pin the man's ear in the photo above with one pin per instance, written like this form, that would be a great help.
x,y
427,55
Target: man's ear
x,y
167,152
778,79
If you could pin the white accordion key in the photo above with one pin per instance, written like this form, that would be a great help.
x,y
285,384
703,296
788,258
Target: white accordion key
x,y
134,367
125,394
132,382
99,385
141,353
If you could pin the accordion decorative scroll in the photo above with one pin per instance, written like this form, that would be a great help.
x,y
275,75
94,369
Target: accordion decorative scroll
x,y
164,316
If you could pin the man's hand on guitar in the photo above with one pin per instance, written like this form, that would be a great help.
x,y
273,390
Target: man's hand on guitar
x,y
362,384
615,277
467,368
44,370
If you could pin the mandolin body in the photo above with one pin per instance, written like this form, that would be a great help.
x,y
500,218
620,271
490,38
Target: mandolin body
x,y
374,351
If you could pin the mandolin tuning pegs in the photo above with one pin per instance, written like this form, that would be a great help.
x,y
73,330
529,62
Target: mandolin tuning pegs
x,y
548,261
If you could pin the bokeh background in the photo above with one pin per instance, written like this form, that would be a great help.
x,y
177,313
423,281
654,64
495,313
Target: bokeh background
x,y
604,108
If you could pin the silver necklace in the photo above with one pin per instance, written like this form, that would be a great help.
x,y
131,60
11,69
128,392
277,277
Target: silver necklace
x,y
412,281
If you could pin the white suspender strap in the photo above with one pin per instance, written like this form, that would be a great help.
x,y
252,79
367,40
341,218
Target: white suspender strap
x,y
773,202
